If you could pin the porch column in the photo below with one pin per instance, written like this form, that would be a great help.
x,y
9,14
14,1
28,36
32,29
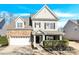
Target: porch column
x,y
34,41
60,37
43,37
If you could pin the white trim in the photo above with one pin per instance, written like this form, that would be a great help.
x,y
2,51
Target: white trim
x,y
18,18
34,41
43,37
45,6
60,37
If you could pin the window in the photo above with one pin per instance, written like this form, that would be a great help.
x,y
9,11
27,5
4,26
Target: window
x,y
64,31
75,28
19,25
49,37
37,25
49,25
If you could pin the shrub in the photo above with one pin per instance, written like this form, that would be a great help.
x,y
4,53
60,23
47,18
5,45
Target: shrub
x,y
3,41
47,43
57,44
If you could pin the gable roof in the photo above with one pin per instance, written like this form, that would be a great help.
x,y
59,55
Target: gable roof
x,y
53,15
73,21
19,18
12,24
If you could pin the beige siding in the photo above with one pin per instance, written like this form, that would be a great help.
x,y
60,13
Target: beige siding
x,y
21,21
19,33
44,14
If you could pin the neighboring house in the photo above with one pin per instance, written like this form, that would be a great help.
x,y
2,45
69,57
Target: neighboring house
x,y
35,29
44,24
71,30
2,22
3,29
19,32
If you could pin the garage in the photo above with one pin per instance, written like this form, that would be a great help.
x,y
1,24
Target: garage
x,y
19,37
19,32
19,41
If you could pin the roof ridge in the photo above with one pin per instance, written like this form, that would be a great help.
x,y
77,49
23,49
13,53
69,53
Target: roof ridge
x,y
45,6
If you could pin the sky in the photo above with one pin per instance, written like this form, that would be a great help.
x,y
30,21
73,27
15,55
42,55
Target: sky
x,y
64,12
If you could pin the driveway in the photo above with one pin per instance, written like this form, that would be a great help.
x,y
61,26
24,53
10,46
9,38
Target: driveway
x,y
27,50
74,44
16,50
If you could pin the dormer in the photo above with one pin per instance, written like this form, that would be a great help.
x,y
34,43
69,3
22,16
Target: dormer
x,y
19,23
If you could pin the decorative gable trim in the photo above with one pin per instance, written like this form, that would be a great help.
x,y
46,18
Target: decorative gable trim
x,y
45,6
19,18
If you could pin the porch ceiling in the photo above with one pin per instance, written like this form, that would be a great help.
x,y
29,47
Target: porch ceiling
x,y
48,33
53,33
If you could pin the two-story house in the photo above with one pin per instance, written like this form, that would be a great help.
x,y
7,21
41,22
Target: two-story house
x,y
71,29
44,24
39,27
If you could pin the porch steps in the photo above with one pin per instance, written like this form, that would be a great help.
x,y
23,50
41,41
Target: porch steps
x,y
39,47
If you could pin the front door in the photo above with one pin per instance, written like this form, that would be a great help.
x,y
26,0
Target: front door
x,y
38,39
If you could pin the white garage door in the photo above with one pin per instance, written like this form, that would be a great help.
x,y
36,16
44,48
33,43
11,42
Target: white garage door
x,y
19,41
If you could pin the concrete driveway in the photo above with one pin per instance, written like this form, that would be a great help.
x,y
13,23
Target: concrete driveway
x,y
27,50
74,44
17,50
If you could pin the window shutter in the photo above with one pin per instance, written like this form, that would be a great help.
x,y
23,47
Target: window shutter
x,y
39,25
54,25
45,25
35,25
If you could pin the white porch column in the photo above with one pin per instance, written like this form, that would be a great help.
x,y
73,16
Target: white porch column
x,y
60,37
34,41
43,37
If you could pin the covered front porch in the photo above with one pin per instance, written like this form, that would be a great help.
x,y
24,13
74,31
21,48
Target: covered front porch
x,y
39,37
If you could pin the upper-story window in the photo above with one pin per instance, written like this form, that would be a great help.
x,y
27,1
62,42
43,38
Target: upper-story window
x,y
76,28
37,25
49,25
19,25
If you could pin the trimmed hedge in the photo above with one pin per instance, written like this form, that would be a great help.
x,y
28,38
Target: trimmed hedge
x,y
3,41
55,43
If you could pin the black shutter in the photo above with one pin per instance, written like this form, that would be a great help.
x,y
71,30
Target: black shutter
x,y
54,25
39,25
35,25
45,25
